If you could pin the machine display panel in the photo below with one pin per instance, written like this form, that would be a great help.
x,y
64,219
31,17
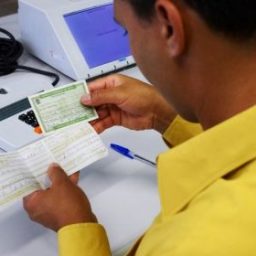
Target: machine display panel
x,y
100,39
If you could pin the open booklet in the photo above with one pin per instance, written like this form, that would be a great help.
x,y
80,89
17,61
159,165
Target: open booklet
x,y
25,170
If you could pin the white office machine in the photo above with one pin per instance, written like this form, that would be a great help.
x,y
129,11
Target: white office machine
x,y
80,38
15,133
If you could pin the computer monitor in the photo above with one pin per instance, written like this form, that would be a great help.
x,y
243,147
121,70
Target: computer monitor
x,y
80,38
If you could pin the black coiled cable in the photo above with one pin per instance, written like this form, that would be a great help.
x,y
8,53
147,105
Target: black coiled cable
x,y
10,51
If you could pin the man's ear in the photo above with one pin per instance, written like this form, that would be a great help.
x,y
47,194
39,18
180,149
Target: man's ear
x,y
172,27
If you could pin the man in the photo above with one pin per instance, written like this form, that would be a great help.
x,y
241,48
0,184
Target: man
x,y
201,56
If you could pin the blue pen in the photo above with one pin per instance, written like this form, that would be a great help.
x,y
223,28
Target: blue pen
x,y
128,153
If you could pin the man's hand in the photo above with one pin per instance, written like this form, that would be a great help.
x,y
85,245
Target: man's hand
x,y
128,102
64,203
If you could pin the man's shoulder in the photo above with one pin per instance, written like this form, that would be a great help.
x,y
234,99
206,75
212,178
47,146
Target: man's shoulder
x,y
218,221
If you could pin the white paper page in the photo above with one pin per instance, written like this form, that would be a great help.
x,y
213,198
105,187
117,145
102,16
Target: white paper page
x,y
76,147
15,181
25,171
37,158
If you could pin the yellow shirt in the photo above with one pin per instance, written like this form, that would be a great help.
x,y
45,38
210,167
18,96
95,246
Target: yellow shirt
x,y
207,189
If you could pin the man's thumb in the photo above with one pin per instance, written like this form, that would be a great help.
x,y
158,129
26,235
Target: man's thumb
x,y
106,96
56,174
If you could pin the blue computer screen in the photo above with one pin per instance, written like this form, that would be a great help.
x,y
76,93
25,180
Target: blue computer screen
x,y
100,39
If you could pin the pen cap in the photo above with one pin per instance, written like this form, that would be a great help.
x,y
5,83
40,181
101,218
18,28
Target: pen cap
x,y
122,150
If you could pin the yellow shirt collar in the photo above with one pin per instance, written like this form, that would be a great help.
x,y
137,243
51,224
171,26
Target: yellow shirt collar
x,y
189,168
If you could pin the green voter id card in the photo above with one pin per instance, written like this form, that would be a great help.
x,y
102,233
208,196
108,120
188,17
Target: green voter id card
x,y
61,107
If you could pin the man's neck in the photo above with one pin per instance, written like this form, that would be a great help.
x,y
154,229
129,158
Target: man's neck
x,y
230,88
223,74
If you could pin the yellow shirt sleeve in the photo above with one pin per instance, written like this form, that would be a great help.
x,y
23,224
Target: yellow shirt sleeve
x,y
181,130
86,239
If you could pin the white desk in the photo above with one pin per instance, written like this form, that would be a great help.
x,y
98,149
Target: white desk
x,y
123,192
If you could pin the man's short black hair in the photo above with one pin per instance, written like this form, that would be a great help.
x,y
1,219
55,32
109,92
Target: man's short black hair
x,y
234,18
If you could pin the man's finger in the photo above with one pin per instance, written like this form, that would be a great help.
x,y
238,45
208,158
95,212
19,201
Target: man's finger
x,y
56,174
103,83
75,177
29,201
